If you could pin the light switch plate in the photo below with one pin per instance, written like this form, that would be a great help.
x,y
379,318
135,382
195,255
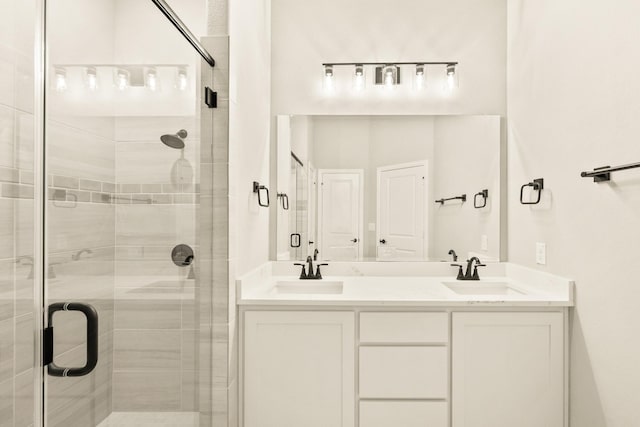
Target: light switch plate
x,y
541,253
484,242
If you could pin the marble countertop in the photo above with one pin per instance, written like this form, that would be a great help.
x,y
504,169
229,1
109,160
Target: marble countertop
x,y
520,286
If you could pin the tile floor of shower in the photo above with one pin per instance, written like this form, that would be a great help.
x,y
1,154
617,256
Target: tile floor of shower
x,y
149,419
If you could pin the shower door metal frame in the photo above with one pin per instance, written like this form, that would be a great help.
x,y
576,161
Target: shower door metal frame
x,y
40,214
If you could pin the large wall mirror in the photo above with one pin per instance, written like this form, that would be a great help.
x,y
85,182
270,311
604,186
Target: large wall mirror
x,y
388,188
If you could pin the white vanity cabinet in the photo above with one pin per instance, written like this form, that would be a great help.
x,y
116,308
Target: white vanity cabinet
x,y
508,369
443,367
299,369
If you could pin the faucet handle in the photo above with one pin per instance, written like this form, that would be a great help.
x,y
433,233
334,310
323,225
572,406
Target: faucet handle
x,y
460,273
318,274
475,271
303,274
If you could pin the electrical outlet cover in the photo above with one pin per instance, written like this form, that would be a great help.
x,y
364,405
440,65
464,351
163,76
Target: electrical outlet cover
x,y
541,253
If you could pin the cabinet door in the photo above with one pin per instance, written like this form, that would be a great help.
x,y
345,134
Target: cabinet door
x,y
299,369
508,370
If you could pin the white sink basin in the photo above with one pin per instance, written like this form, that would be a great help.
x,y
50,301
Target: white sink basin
x,y
309,287
482,288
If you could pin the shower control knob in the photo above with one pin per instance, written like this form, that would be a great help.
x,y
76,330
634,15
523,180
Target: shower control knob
x,y
182,255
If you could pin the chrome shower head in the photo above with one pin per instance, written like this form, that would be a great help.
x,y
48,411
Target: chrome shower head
x,y
175,140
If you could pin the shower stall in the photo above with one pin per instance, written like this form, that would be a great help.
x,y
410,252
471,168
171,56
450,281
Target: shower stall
x,y
106,299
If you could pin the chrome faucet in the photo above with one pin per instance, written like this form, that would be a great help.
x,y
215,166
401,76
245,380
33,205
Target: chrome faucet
x,y
472,269
309,275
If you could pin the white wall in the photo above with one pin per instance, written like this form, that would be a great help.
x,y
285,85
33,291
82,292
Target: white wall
x,y
307,33
249,127
573,105
467,160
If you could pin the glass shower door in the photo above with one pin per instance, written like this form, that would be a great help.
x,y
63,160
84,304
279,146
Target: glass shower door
x,y
123,285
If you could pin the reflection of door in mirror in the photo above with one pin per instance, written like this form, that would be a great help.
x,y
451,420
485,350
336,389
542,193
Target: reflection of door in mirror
x,y
401,224
340,214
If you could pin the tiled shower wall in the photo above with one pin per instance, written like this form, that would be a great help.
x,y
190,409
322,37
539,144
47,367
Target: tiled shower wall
x,y
80,242
155,360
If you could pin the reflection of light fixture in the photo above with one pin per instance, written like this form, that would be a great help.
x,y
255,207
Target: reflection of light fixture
x,y
388,75
420,77
359,79
92,78
451,76
60,79
152,79
328,78
183,80
122,79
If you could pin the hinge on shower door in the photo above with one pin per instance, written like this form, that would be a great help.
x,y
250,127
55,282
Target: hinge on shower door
x,y
210,98
47,346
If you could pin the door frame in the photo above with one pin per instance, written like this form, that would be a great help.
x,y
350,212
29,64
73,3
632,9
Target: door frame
x,y
425,230
312,181
360,173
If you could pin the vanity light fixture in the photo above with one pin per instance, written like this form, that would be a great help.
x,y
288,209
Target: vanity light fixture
x,y
122,79
92,78
359,77
328,78
183,80
152,79
452,79
60,79
420,80
389,73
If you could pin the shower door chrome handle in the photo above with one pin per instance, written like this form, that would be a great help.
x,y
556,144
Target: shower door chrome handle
x,y
92,340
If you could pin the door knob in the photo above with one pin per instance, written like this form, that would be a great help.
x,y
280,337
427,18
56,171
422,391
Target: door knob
x,y
355,240
383,241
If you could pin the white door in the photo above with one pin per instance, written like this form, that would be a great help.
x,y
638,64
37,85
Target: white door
x,y
402,215
299,369
341,205
508,370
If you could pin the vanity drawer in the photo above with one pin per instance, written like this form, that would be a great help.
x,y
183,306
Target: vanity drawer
x,y
405,414
403,372
404,327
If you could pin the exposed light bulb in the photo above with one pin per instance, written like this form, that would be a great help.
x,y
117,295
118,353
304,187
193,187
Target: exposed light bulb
x,y
420,77
451,76
388,78
391,76
152,79
92,78
328,78
60,79
122,79
359,79
183,80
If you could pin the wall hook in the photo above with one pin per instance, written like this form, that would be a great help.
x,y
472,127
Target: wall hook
x,y
484,194
537,185
257,188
